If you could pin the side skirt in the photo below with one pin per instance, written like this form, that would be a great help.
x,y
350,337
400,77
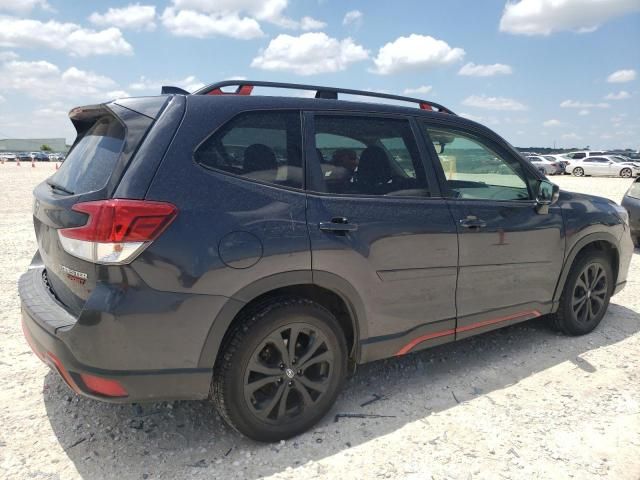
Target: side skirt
x,y
445,331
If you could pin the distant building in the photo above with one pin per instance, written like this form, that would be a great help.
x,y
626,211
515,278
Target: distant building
x,y
32,144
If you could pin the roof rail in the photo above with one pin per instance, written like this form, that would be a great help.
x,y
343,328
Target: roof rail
x,y
245,87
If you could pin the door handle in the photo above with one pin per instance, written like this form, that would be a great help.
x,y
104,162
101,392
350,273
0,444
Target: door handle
x,y
472,222
338,224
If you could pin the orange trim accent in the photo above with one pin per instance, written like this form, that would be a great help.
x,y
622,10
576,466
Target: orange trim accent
x,y
409,346
532,313
422,338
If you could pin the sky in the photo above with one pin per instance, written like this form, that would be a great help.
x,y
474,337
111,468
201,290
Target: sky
x,y
538,72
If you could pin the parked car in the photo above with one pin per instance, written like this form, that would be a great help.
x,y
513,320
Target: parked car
x,y
583,154
602,166
8,157
560,159
631,201
218,246
24,156
39,156
546,166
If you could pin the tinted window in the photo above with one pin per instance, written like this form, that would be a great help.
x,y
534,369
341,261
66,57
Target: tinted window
x,y
91,161
263,146
369,156
578,155
474,170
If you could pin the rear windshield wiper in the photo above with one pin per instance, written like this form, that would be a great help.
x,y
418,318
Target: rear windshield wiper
x,y
55,186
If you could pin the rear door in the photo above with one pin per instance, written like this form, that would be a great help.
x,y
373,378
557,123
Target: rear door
x,y
510,255
107,138
377,223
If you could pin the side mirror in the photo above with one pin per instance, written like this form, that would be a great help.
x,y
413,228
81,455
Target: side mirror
x,y
548,194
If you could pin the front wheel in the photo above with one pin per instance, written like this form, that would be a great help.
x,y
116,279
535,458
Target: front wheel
x,y
578,172
586,294
281,370
626,173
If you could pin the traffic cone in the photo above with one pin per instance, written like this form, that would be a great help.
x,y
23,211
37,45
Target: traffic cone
x,y
33,164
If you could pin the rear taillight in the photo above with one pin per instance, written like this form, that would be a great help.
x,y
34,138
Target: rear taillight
x,y
117,230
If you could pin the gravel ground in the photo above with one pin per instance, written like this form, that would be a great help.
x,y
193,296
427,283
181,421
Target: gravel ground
x,y
521,402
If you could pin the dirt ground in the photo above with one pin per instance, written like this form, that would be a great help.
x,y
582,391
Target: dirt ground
x,y
521,402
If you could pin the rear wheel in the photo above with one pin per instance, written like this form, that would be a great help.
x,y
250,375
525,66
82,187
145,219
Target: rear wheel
x,y
281,370
626,173
578,172
586,294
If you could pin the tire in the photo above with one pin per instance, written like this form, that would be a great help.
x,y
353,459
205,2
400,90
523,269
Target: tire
x,y
584,281
626,173
255,372
578,172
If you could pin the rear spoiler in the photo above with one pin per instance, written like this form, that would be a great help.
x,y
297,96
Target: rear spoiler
x,y
169,90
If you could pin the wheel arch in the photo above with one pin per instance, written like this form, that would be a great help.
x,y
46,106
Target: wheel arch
x,y
601,241
327,289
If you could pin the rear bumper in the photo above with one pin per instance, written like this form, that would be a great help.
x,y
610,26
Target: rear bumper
x,y
47,326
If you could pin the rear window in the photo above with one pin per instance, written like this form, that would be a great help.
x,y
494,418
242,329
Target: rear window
x,y
91,161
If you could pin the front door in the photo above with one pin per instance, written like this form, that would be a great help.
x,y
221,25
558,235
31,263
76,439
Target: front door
x,y
378,227
510,255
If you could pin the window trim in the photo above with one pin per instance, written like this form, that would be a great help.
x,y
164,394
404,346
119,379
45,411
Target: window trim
x,y
484,140
314,179
213,170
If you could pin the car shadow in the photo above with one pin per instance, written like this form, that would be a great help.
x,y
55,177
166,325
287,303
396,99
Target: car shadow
x,y
142,441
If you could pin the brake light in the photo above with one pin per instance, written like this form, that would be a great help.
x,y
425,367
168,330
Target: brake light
x,y
117,230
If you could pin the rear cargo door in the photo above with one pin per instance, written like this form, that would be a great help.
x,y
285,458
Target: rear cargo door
x,y
107,137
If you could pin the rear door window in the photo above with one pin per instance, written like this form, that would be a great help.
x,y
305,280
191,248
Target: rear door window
x,y
369,156
261,146
91,161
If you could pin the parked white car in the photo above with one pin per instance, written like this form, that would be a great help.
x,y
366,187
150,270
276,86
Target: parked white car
x,y
603,166
583,154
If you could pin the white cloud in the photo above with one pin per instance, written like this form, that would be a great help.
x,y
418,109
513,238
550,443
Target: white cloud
x,y
232,18
622,76
422,89
24,6
135,17
621,95
552,123
583,105
44,80
189,23
190,84
353,17
415,52
584,112
2,99
543,17
77,41
309,54
493,103
473,70
268,10
308,23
